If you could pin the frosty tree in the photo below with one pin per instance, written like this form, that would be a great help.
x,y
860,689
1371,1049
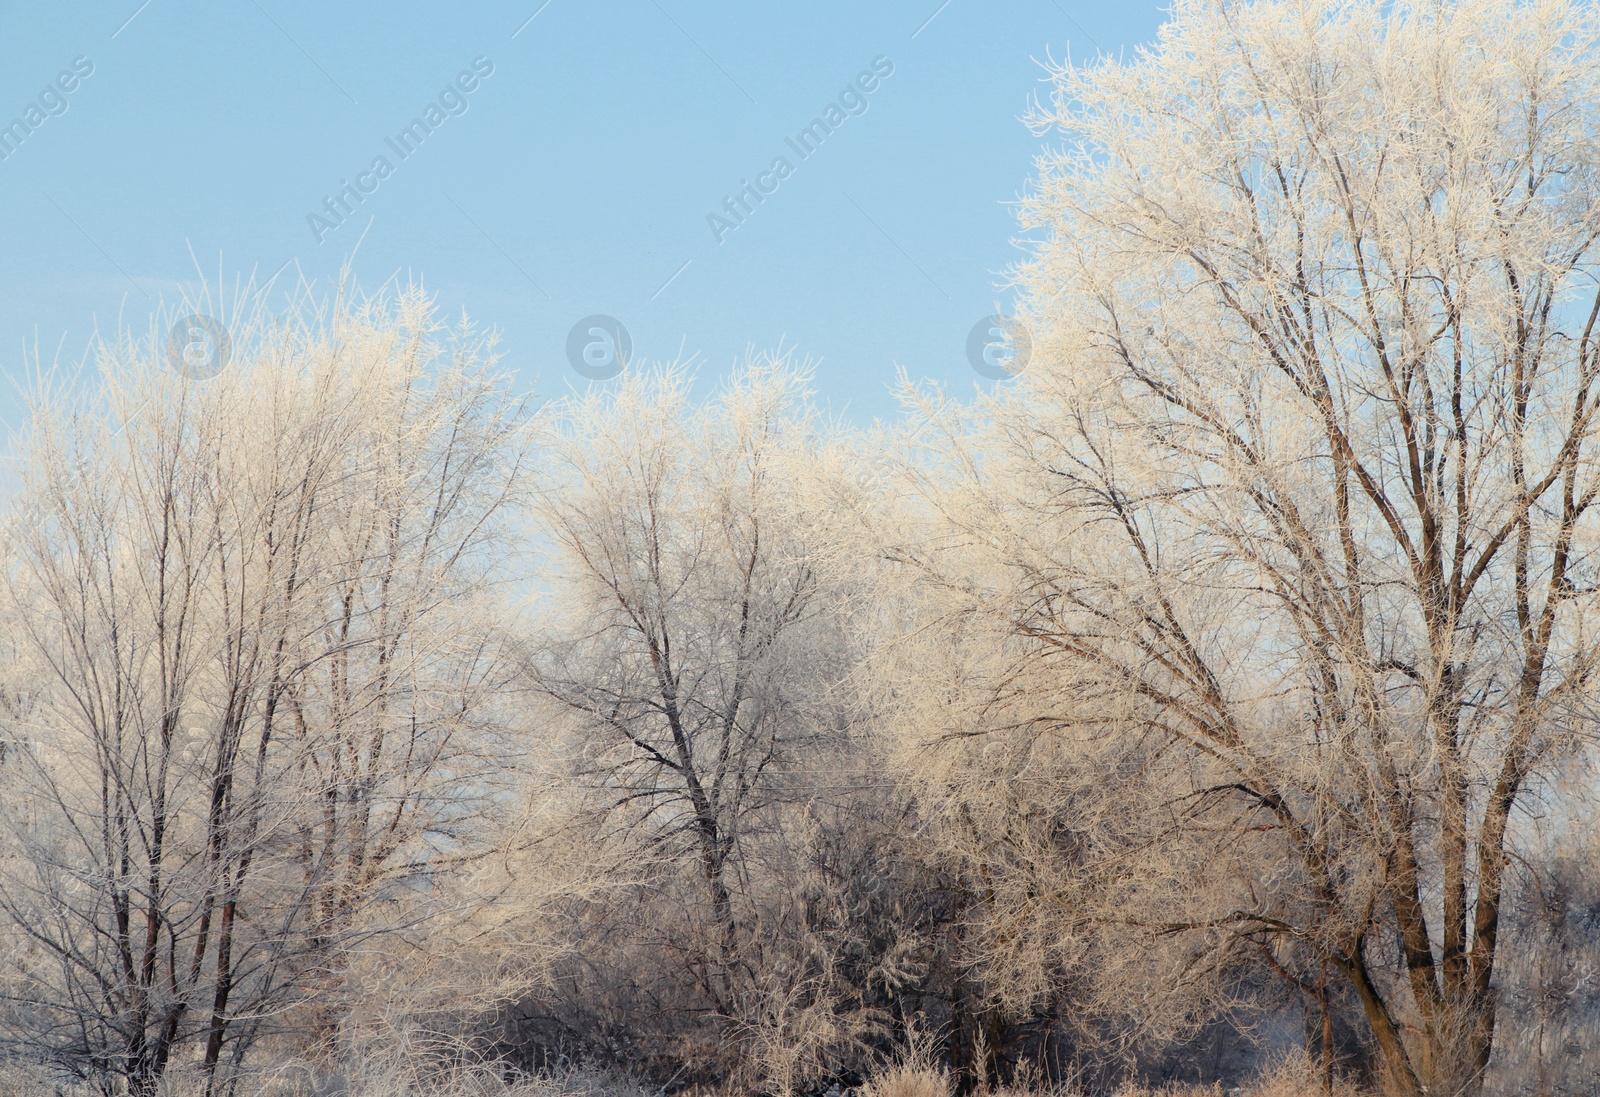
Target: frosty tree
x,y
1294,509
251,669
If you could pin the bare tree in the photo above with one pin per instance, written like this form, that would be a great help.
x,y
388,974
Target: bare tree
x,y
251,647
694,661
1290,521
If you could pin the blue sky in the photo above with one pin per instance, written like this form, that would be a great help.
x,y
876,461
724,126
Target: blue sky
x,y
576,178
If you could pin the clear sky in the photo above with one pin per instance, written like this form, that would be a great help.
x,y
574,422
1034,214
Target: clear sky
x,y
575,172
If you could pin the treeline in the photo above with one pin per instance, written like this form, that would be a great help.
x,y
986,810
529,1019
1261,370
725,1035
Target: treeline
x,y
1220,688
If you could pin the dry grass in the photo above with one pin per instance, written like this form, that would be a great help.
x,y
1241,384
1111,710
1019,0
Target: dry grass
x,y
918,1075
1293,1077
909,1079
